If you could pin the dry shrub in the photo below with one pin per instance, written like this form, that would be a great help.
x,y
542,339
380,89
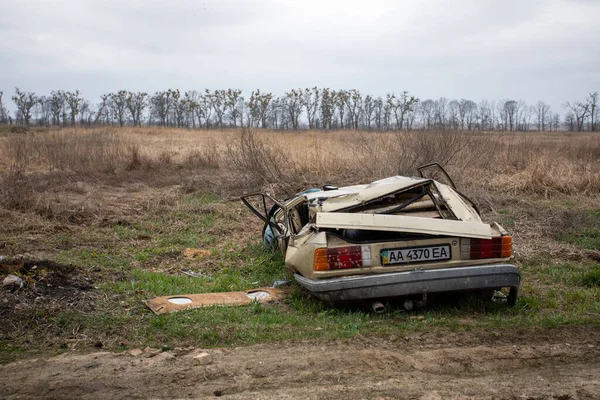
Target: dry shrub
x,y
135,158
207,156
16,193
258,159
547,177
38,168
378,155
81,152
47,196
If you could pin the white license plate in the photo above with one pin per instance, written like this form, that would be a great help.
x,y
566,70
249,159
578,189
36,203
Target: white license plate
x,y
415,254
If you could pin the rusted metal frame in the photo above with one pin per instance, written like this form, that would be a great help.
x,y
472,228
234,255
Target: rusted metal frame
x,y
406,189
265,217
437,205
406,203
435,164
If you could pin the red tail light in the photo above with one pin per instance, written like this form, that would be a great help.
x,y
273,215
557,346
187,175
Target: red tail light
x,y
342,258
497,247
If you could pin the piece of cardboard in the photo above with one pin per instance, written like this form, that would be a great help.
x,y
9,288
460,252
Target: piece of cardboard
x,y
163,305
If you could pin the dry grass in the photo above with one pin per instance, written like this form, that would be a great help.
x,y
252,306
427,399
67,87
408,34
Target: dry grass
x,y
122,204
56,172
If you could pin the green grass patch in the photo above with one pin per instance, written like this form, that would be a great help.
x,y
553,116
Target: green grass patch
x,y
147,252
200,199
595,213
587,238
590,278
260,268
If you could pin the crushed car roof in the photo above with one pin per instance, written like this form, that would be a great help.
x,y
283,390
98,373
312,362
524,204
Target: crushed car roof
x,y
358,194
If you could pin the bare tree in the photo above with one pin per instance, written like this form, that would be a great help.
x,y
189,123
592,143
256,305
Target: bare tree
x,y
580,112
322,108
453,115
204,110
103,113
485,115
57,105
510,113
426,111
74,101
570,123
593,102
555,122
178,109
327,107
378,111
466,113
354,106
292,103
310,101
387,112
118,106
543,115
42,110
231,98
368,111
136,103
276,113
525,114
439,112
86,113
24,102
341,96
3,112
160,106
217,102
258,106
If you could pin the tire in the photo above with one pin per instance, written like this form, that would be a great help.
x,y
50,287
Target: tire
x,y
513,294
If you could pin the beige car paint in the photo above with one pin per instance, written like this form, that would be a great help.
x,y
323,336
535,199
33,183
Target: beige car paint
x,y
298,244
401,223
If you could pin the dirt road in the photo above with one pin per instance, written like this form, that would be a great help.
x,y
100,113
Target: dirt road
x,y
560,363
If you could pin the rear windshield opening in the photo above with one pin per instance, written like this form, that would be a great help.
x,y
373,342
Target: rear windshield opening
x,y
421,201
369,236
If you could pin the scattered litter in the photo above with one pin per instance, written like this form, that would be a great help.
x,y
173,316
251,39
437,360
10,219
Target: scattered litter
x,y
195,253
195,274
12,281
169,304
258,295
180,300
280,282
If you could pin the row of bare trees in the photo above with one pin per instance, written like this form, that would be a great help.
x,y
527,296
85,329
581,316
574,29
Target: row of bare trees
x,y
312,108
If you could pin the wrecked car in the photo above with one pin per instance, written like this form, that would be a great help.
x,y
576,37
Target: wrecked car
x,y
396,237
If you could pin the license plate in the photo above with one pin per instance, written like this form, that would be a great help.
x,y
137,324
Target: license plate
x,y
415,254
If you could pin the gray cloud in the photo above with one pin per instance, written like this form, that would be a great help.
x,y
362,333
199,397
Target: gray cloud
x,y
464,48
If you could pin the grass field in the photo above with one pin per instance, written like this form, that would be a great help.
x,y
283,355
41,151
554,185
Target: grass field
x,y
104,214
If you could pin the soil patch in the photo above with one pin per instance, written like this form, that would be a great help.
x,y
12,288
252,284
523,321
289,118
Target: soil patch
x,y
504,364
46,285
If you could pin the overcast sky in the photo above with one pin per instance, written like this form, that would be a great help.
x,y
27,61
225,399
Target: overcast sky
x,y
517,49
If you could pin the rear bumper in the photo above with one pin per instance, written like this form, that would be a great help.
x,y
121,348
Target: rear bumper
x,y
361,287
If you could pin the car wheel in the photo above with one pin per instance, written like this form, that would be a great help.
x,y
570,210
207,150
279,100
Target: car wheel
x,y
512,296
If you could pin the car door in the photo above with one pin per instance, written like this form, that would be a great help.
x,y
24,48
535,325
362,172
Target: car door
x,y
275,216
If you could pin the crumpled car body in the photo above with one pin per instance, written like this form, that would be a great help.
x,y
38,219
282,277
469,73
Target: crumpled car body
x,y
399,236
